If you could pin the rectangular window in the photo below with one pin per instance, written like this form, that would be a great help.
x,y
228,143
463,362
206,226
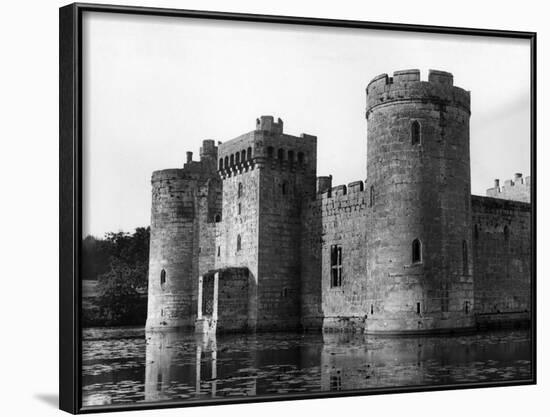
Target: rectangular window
x,y
336,266
445,298
335,380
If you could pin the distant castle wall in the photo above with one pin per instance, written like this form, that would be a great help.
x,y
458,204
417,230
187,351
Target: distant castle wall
x,y
518,189
502,259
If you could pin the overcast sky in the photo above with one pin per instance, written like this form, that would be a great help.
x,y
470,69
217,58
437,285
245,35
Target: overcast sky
x,y
155,87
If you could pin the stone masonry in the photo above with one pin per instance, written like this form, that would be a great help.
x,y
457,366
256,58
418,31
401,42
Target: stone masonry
x,y
250,239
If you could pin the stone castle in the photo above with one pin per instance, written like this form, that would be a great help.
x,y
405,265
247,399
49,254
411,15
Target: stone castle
x,y
249,238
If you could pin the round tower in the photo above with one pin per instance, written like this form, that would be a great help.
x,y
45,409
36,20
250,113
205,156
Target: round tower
x,y
419,245
170,299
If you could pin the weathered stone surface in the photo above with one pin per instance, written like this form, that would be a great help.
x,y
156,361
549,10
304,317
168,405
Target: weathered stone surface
x,y
502,258
182,238
421,191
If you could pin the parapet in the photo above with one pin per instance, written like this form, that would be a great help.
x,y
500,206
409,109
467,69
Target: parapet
x,y
168,174
406,85
204,168
267,146
326,191
518,189
267,124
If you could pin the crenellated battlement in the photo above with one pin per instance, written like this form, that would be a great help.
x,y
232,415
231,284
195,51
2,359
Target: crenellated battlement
x,y
326,191
518,189
406,85
267,146
204,168
168,174
342,202
267,124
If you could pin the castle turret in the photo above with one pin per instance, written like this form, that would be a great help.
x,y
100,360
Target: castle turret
x,y
183,213
419,256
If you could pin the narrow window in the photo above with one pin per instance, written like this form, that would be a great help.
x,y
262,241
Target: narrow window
x,y
464,257
239,208
243,155
506,233
476,232
371,309
162,312
162,278
416,251
285,292
218,218
285,187
218,251
335,380
445,297
231,160
237,158
280,154
239,242
415,133
226,162
270,152
371,196
291,156
466,307
417,308
221,163
240,190
249,153
300,157
335,266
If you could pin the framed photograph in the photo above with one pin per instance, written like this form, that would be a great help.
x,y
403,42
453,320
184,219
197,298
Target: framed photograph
x,y
259,208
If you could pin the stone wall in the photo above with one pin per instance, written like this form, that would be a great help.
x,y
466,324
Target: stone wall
x,y
502,260
233,299
336,217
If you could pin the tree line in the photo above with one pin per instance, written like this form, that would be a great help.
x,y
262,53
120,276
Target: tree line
x,y
118,264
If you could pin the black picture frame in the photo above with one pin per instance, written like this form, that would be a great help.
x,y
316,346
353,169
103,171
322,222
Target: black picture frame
x,y
70,203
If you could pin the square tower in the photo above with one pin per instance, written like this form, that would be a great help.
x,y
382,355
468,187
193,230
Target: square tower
x,y
266,174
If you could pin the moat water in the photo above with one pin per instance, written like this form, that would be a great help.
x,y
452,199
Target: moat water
x,y
121,366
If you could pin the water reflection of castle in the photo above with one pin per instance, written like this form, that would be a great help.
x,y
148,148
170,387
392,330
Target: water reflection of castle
x,y
182,366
